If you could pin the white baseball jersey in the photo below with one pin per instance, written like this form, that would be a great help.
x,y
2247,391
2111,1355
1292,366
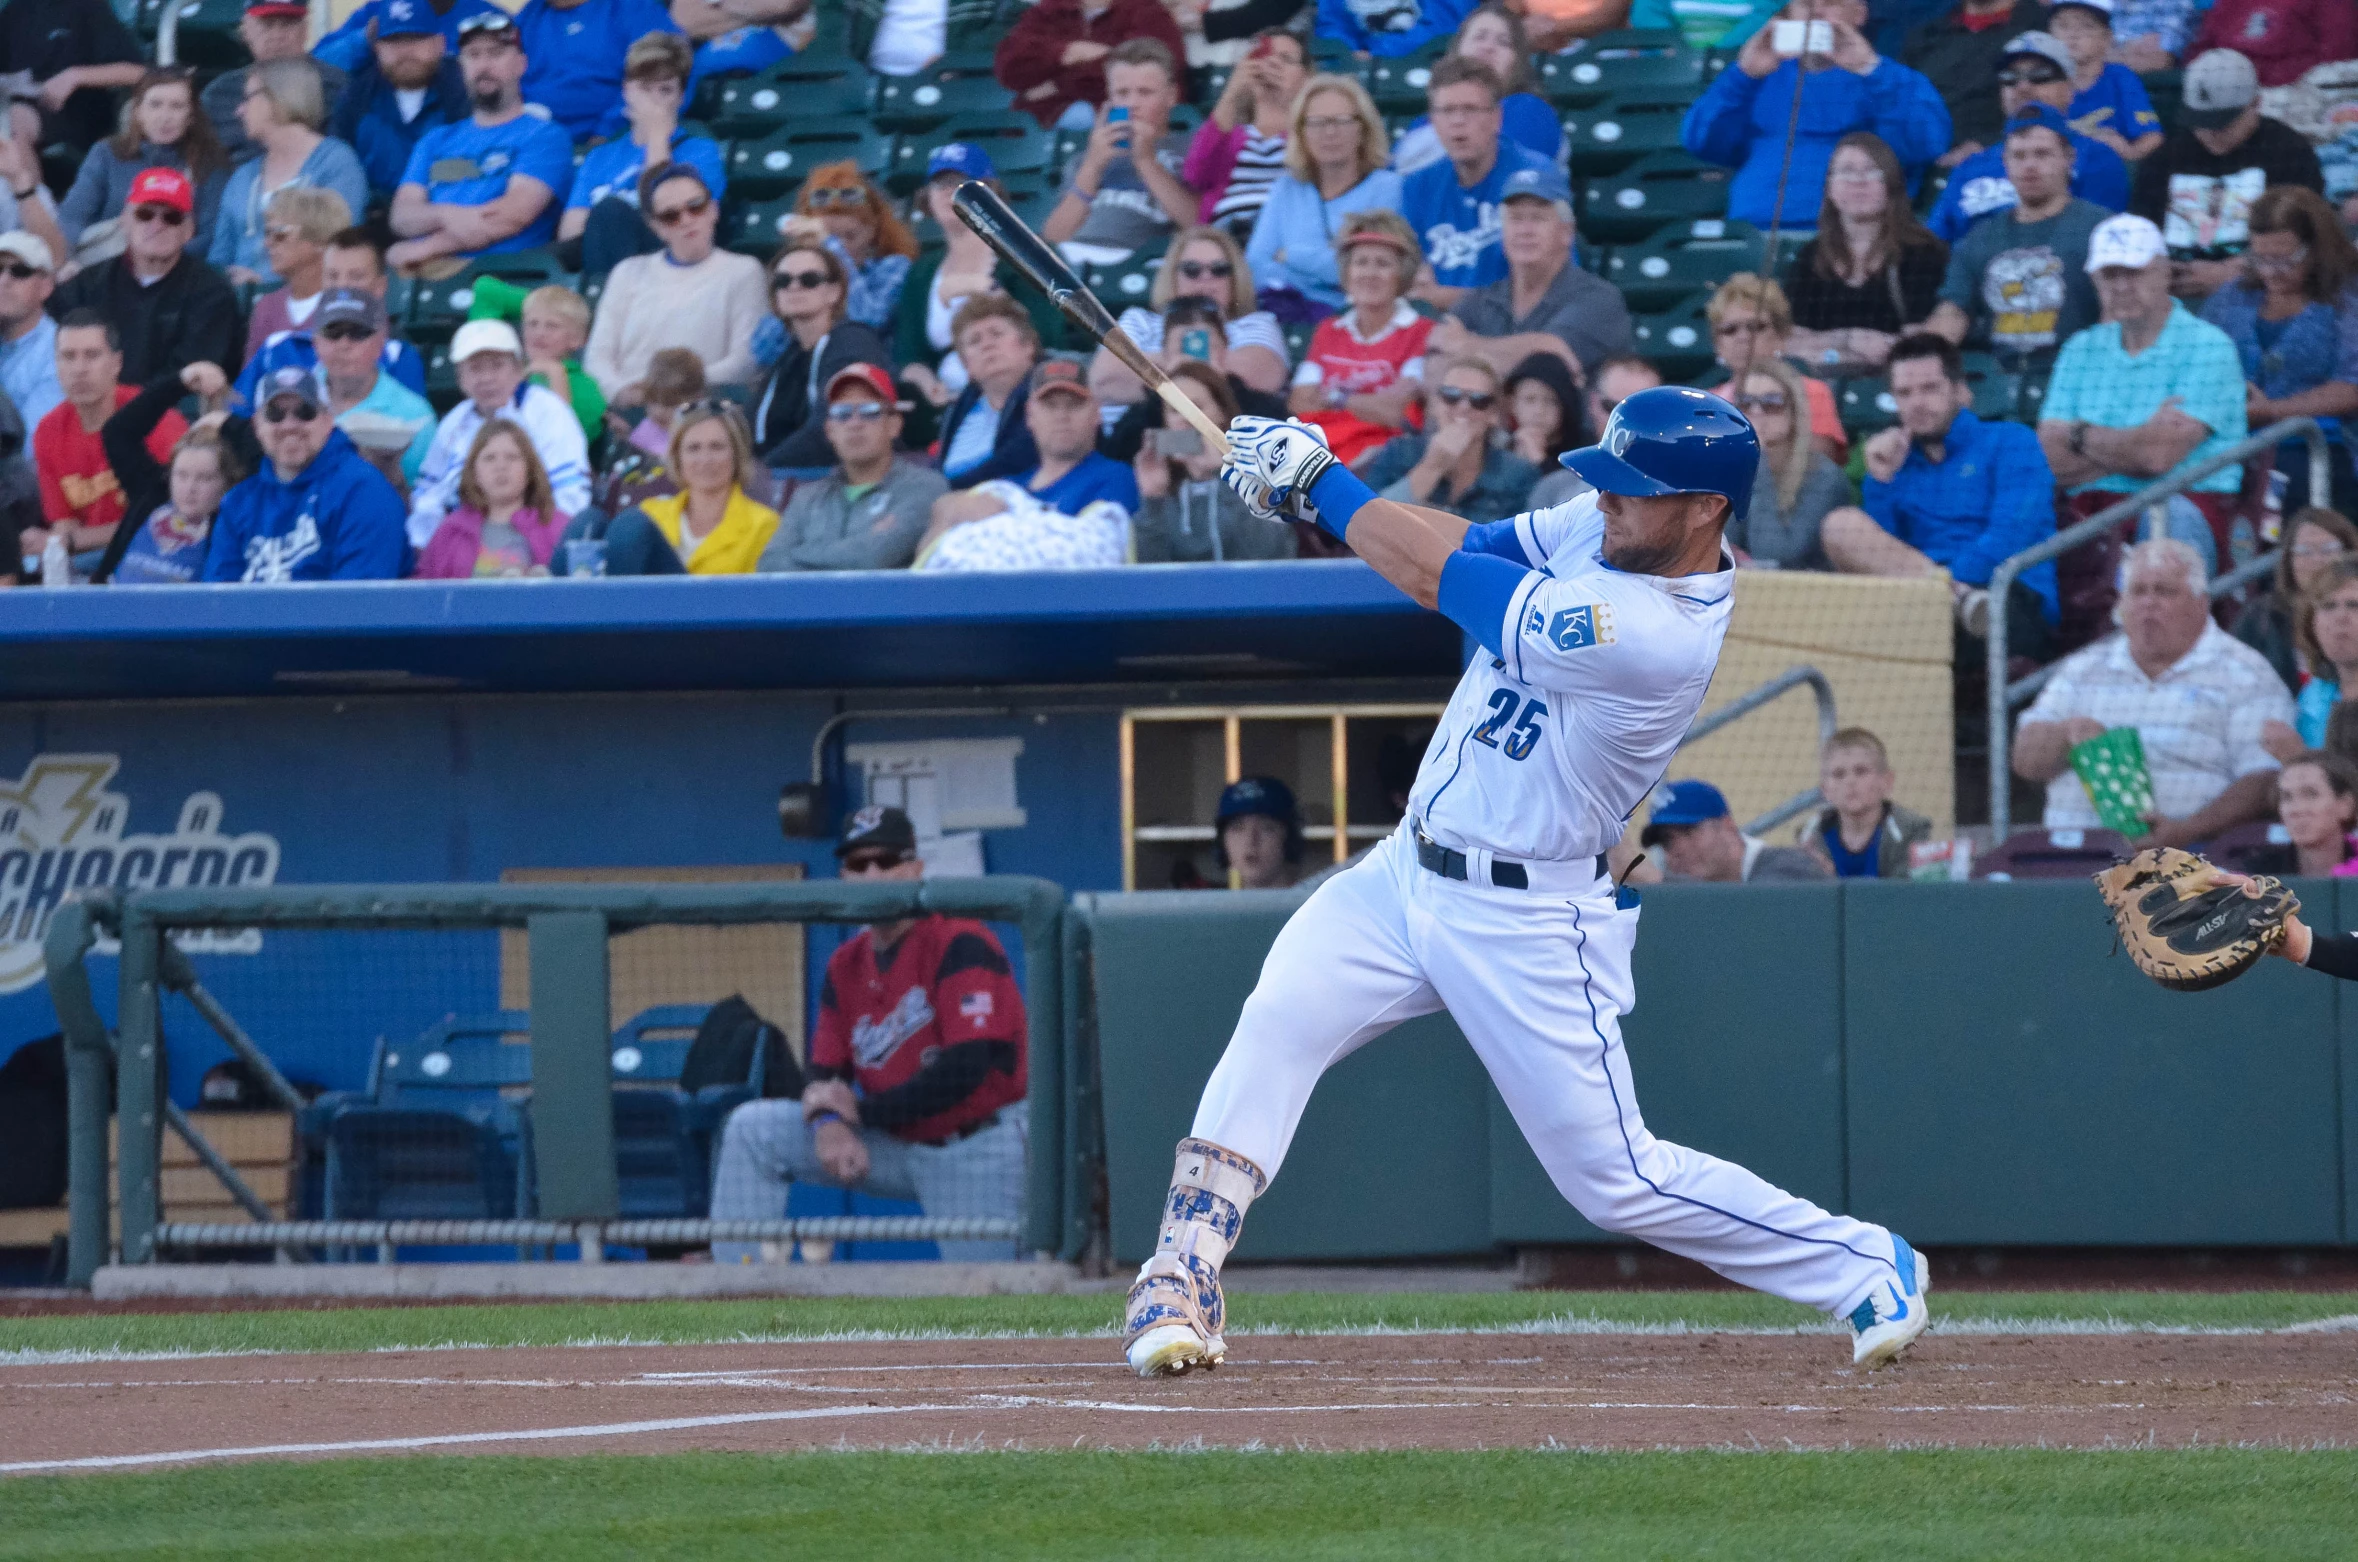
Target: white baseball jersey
x,y
1546,749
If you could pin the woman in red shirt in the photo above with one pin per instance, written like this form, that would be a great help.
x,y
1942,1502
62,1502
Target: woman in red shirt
x,y
1362,379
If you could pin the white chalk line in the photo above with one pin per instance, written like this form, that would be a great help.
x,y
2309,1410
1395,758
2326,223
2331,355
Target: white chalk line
x,y
1588,1325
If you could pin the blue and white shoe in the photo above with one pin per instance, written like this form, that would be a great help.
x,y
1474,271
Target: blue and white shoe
x,y
1889,1320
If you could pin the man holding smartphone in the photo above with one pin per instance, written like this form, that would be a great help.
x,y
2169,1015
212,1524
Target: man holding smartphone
x,y
1742,118
1123,194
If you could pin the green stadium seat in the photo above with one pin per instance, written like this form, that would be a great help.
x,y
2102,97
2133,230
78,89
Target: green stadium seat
x,y
1654,192
1018,147
799,90
954,85
755,227
1398,84
1614,136
779,161
1676,340
1603,70
1866,405
436,309
1679,260
1997,391
1126,286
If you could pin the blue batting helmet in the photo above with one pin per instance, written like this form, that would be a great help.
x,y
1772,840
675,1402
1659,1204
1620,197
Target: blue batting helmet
x,y
1672,440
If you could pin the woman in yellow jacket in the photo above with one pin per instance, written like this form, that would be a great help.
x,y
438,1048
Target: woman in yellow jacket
x,y
712,526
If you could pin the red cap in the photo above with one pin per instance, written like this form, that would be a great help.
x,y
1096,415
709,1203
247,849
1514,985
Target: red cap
x,y
290,9
163,187
869,376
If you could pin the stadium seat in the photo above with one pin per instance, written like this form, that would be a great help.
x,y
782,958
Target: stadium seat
x,y
1866,405
1620,64
1654,192
390,1163
956,84
2247,847
1680,259
1018,147
1677,340
1611,137
756,227
1997,391
1126,286
2051,854
1398,84
438,309
800,89
779,161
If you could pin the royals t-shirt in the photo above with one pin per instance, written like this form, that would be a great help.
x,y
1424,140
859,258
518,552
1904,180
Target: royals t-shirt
x,y
614,169
468,164
1460,226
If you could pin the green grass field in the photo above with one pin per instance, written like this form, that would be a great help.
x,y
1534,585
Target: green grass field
x,y
373,1328
1229,1505
1223,1507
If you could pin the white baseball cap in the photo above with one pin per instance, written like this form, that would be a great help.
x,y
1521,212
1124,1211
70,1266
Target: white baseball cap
x,y
485,336
29,248
2125,241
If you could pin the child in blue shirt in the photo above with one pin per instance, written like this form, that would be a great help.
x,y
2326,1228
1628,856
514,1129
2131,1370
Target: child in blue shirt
x,y
2108,101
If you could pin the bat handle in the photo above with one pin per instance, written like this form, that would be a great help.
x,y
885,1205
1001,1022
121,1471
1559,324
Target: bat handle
x,y
1183,404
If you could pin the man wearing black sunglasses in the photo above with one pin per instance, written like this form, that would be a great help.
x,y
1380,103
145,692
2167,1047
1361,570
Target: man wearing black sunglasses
x,y
317,510
2034,69
869,512
168,306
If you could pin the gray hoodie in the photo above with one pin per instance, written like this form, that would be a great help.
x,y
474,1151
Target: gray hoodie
x,y
824,529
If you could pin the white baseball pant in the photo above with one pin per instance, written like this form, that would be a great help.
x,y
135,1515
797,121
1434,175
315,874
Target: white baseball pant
x,y
1537,983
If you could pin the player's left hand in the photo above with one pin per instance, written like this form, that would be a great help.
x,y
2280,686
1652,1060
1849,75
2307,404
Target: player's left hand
x,y
1271,464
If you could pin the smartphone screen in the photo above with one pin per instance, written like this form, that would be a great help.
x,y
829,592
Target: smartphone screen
x,y
1178,442
1786,37
1196,344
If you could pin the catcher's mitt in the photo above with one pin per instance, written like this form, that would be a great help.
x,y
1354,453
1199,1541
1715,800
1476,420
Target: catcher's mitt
x,y
2185,925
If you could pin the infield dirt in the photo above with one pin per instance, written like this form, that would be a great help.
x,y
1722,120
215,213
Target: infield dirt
x,y
1314,1391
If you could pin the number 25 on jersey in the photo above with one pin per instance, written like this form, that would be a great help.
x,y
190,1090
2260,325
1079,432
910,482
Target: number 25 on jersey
x,y
1517,719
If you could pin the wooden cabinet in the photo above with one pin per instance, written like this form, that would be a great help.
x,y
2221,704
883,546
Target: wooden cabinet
x,y
1350,767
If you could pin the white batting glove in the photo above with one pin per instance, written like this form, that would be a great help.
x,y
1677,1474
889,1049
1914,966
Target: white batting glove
x,y
1271,464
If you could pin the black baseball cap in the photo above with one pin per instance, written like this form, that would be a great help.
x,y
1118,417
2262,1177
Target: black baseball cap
x,y
877,829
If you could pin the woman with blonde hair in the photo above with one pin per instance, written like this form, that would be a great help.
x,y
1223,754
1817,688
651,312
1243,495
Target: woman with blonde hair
x,y
161,128
1337,162
1797,487
297,223
282,111
506,523
876,246
713,525
1205,263
1750,321
1239,150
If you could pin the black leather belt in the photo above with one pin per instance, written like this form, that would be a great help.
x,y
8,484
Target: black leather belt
x,y
1434,857
956,1134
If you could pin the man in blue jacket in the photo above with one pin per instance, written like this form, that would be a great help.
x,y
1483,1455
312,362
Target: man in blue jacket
x,y
2034,71
317,510
1741,120
1388,28
1949,494
347,47
408,84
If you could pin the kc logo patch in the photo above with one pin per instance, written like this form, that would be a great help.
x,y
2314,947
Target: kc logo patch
x,y
1573,628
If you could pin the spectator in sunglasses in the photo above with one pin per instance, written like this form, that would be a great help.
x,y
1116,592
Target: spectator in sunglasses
x,y
693,294
81,499
161,129
368,403
807,290
607,210
316,510
868,236
296,225
28,336
1203,263
869,512
1464,462
1797,487
491,371
283,109
2033,72
488,184
1959,51
1072,511
1750,321
353,260
167,306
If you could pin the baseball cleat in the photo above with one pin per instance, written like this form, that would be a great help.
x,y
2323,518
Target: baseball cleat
x,y
1171,1317
1891,1317
1170,1349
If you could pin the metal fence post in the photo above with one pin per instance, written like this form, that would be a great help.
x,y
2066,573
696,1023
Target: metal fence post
x,y
89,1053
572,1079
138,1083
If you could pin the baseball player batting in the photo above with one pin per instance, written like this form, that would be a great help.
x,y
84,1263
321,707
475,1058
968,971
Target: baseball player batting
x,y
1602,619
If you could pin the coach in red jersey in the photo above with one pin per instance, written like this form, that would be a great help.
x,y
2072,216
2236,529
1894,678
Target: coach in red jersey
x,y
916,1071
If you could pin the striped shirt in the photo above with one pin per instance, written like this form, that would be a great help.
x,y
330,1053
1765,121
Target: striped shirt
x,y
1259,163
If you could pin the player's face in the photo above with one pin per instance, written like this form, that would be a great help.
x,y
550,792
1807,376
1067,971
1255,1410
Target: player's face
x,y
2311,811
1256,849
1645,536
2335,625
1854,780
1928,399
2039,164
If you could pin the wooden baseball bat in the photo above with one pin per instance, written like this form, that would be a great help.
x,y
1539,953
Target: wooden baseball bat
x,y
980,208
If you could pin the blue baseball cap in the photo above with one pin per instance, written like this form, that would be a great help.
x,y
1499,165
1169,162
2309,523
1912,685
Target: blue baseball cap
x,y
407,19
1682,803
1671,439
2043,115
1536,184
1265,795
960,157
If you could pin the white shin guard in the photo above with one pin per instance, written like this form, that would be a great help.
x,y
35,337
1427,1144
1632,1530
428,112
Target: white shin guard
x,y
1176,1310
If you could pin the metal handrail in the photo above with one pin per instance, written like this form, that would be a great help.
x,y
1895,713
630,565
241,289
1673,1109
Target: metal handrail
x,y
2157,492
1746,703
168,34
